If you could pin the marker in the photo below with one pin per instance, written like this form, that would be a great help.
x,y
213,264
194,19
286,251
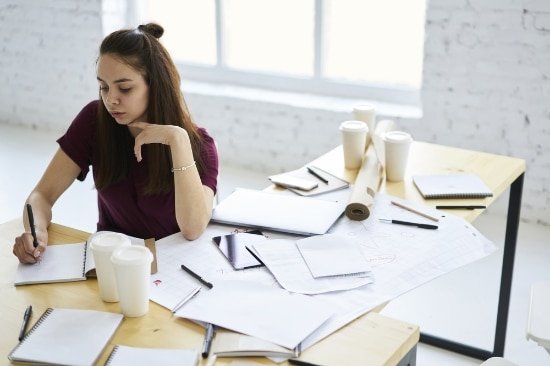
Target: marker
x,y
467,207
197,277
31,224
207,340
26,318
417,224
315,174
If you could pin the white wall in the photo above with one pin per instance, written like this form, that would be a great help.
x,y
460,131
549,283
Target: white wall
x,y
486,87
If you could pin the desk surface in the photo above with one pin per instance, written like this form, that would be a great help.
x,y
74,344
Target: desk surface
x,y
370,340
497,171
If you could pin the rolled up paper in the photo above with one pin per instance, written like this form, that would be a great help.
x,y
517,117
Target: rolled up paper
x,y
369,177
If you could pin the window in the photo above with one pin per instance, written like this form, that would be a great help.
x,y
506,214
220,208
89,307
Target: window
x,y
369,49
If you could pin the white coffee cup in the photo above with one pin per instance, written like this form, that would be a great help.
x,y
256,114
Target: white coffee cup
x,y
365,113
102,247
132,267
354,140
397,145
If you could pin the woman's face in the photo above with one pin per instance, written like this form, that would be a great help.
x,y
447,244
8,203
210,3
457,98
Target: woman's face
x,y
123,90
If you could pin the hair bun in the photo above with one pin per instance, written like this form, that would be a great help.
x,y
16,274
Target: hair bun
x,y
153,29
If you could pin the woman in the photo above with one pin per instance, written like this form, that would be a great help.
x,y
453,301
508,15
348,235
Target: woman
x,y
154,170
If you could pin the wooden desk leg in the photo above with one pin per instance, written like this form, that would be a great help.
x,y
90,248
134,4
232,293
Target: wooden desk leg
x,y
510,239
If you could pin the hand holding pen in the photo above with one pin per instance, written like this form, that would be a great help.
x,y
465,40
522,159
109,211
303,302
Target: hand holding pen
x,y
29,247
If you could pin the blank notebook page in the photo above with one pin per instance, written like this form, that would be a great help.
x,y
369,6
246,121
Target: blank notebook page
x,y
451,186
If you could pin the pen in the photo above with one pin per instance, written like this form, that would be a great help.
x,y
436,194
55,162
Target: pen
x,y
196,276
207,340
417,224
26,318
467,207
314,173
31,224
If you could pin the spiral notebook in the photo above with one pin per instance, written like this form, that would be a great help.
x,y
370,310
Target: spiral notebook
x,y
451,186
140,356
67,337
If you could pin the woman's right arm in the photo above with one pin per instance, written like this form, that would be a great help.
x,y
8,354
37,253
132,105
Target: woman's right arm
x,y
60,174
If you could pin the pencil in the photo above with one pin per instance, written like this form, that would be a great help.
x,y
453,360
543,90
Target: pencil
x,y
315,174
408,208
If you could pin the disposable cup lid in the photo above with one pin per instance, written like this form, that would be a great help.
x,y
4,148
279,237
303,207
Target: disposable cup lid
x,y
109,241
132,256
398,137
353,126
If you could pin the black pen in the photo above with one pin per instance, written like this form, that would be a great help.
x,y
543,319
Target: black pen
x,y
196,276
26,318
466,207
314,173
31,224
417,224
207,340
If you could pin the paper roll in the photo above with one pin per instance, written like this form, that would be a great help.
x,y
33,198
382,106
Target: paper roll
x,y
369,177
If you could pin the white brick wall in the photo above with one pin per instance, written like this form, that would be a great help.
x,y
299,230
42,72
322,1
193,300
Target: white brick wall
x,y
486,87
47,59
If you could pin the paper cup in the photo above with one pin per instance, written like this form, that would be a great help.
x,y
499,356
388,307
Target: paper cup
x,y
365,113
132,267
396,149
102,247
354,140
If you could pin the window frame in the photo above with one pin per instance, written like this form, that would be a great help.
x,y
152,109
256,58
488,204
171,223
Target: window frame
x,y
316,84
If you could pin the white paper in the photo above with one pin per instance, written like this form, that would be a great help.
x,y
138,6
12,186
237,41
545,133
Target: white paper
x,y
332,255
284,261
140,356
258,310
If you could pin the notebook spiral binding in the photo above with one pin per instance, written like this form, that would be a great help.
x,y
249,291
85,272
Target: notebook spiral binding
x,y
111,356
84,262
36,325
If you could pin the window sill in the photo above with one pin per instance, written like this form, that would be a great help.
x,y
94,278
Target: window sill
x,y
298,100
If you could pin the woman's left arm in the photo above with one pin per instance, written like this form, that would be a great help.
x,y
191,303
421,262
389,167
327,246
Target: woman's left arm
x,y
193,200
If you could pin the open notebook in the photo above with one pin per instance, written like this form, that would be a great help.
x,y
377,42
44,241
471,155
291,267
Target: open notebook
x,y
62,263
67,337
451,186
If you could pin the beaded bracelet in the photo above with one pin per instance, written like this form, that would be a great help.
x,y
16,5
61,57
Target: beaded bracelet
x,y
184,168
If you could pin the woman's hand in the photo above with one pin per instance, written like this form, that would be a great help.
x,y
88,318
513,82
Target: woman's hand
x,y
25,251
159,134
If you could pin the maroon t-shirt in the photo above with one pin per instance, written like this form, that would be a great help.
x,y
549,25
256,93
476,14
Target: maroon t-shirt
x,y
122,206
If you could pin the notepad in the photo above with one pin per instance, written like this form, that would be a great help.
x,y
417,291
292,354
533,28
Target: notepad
x,y
61,263
332,183
67,337
140,356
232,344
451,186
271,211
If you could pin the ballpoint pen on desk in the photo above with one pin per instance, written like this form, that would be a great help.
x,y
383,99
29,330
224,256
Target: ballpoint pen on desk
x,y
31,224
459,207
197,277
317,175
207,340
26,318
416,224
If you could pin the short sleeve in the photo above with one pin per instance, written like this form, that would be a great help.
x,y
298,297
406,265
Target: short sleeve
x,y
209,155
77,142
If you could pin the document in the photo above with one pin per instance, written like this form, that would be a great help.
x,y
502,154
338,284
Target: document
x,y
284,261
266,312
140,356
67,337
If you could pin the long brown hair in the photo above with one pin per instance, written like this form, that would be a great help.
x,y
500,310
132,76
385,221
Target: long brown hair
x,y
140,49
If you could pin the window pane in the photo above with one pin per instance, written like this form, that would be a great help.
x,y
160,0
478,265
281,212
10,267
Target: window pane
x,y
269,36
374,41
189,29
